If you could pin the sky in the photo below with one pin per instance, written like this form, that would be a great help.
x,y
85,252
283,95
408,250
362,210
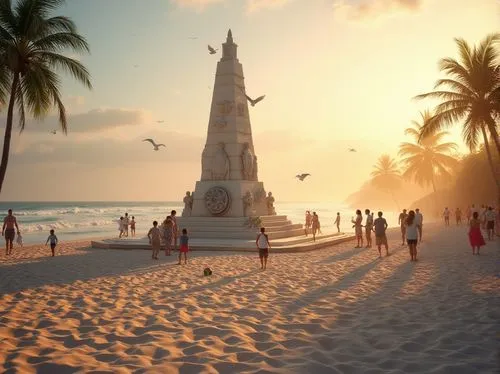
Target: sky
x,y
336,74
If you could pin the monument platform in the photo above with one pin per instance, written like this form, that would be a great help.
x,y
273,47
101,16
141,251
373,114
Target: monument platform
x,y
285,245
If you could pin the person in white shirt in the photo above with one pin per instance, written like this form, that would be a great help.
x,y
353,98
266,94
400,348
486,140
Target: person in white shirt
x,y
490,217
419,219
262,243
412,234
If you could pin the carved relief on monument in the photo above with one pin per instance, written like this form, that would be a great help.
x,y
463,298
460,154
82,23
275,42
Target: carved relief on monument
x,y
220,122
248,204
259,194
270,204
225,107
217,200
240,109
247,162
255,169
205,165
220,163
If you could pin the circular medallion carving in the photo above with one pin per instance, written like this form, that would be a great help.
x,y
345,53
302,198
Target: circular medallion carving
x,y
217,200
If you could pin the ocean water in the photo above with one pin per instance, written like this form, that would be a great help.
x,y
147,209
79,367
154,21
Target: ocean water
x,y
80,220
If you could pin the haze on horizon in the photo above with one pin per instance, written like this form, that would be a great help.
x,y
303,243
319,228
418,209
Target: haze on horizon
x,y
336,74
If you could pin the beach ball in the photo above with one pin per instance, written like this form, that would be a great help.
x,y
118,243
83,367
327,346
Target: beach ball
x,y
207,271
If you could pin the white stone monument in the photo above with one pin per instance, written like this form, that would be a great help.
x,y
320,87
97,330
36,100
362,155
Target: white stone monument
x,y
229,184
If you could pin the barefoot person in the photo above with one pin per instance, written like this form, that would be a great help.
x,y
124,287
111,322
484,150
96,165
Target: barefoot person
x,y
132,227
263,245
401,222
458,216
468,214
380,227
183,246
175,228
154,236
126,222
308,222
446,215
53,242
315,225
368,228
337,222
476,239
9,231
168,234
358,228
490,217
412,234
419,219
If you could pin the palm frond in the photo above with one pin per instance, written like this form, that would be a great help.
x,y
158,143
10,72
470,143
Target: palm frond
x,y
455,70
7,17
465,52
74,67
460,88
471,132
61,41
443,120
446,95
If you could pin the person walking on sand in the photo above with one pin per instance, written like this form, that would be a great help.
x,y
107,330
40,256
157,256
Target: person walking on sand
x,y
154,236
401,223
419,219
132,227
308,222
380,227
490,223
175,228
263,245
183,246
9,229
368,228
168,235
126,222
412,234
446,215
358,228
458,216
53,242
337,222
468,214
314,225
476,239
120,227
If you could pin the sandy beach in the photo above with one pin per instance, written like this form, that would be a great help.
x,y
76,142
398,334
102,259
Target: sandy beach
x,y
336,310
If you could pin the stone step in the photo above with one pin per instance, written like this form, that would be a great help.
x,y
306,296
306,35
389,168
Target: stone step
x,y
233,229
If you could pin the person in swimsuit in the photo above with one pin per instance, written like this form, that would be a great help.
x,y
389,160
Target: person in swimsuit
x,y
262,243
307,225
9,231
337,222
132,227
154,236
401,222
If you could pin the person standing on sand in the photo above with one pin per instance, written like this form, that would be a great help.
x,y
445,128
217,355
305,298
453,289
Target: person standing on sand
x,y
380,227
263,245
468,214
120,227
8,231
154,236
168,235
175,228
314,225
458,216
337,222
412,234
358,228
53,242
476,239
368,228
446,215
308,222
132,227
126,222
490,223
183,246
482,216
401,223
419,219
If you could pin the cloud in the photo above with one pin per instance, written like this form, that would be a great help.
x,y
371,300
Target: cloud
x,y
362,9
93,120
198,5
256,5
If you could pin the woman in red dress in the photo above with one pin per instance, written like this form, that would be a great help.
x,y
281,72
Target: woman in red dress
x,y
475,236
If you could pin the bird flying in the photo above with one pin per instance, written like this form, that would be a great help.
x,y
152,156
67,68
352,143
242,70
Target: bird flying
x,y
136,66
351,150
212,50
252,101
302,176
156,146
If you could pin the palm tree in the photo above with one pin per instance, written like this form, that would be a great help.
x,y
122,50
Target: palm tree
x,y
30,44
471,93
386,176
427,158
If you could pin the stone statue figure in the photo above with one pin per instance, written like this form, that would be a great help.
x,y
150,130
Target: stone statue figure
x,y
270,204
248,204
220,163
205,165
255,169
188,204
247,162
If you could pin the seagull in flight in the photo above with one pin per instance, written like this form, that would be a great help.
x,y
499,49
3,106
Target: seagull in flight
x,y
212,50
255,101
136,66
156,146
351,150
302,176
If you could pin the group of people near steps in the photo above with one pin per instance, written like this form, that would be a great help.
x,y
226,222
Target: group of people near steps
x,y
411,230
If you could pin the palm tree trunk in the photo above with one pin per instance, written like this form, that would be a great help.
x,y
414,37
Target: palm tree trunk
x,y
494,134
8,130
493,167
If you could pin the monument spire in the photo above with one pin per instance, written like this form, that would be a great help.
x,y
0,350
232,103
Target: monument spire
x,y
229,38
229,48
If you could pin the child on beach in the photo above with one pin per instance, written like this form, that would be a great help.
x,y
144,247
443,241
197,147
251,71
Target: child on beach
x,y
475,236
53,242
380,227
412,234
337,222
183,246
154,236
262,243
132,227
